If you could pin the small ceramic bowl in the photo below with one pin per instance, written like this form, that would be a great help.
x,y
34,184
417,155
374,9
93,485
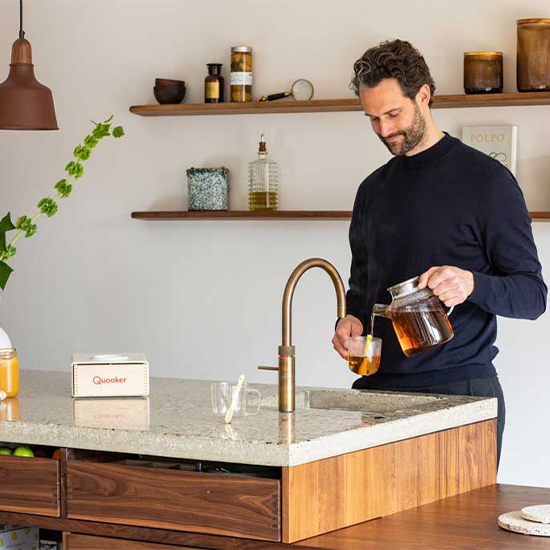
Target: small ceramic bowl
x,y
169,94
168,82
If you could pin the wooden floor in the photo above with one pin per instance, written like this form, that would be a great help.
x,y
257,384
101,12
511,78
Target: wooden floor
x,y
464,522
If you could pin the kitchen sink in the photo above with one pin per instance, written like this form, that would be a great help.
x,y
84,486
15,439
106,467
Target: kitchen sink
x,y
361,401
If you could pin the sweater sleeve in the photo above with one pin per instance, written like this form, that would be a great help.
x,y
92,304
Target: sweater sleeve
x,y
514,286
356,297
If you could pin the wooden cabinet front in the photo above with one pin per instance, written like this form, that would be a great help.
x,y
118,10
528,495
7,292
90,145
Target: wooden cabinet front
x,y
74,541
29,485
212,503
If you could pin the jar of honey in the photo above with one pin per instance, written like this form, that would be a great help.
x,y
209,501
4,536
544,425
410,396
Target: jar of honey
x,y
9,371
241,74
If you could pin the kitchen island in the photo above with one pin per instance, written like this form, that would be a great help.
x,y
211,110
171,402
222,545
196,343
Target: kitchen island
x,y
166,470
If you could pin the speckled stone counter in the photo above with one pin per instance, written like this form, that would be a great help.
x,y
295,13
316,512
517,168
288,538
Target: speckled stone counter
x,y
177,421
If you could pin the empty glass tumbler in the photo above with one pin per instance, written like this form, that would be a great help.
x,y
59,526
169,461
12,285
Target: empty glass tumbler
x,y
247,400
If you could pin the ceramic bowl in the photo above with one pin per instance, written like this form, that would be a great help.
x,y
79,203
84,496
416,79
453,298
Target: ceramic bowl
x,y
168,82
169,94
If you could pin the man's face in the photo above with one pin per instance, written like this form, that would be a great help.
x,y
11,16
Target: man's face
x,y
395,119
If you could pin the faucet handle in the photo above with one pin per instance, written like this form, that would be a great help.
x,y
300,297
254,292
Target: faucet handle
x,y
268,368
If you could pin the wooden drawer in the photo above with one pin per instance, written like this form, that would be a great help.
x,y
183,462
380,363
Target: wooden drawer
x,y
74,541
199,502
29,485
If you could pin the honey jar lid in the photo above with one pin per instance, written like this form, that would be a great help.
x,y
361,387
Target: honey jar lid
x,y
241,49
8,353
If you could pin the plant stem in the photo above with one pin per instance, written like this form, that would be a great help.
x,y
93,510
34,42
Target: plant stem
x,y
35,217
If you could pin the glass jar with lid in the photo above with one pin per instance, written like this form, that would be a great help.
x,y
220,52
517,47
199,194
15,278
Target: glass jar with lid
x,y
482,72
533,68
9,371
241,74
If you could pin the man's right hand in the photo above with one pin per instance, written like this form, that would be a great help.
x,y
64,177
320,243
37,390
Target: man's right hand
x,y
346,327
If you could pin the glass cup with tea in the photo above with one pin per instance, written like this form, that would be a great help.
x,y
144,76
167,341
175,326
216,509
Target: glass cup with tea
x,y
364,354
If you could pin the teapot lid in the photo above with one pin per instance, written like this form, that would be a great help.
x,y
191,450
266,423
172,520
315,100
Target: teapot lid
x,y
406,287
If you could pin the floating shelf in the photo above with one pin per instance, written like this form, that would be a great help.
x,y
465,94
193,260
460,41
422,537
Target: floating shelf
x,y
335,105
278,215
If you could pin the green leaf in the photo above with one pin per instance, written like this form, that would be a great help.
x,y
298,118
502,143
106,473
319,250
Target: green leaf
x,y
90,141
5,272
30,230
60,184
118,131
5,226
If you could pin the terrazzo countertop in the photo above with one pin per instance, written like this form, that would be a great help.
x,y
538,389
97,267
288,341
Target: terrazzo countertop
x,y
177,421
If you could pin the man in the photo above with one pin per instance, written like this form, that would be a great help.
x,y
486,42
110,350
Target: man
x,y
446,212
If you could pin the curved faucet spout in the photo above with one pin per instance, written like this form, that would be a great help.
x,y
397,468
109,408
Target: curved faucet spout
x,y
286,368
291,285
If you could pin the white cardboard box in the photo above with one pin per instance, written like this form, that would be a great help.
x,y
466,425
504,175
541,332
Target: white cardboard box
x,y
24,538
121,375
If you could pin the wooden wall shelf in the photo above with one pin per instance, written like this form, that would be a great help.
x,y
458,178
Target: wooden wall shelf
x,y
278,215
335,105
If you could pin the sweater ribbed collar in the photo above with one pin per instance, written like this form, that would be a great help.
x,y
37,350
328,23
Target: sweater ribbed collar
x,y
433,154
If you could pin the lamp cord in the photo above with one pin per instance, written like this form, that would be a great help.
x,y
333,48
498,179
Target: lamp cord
x,y
21,31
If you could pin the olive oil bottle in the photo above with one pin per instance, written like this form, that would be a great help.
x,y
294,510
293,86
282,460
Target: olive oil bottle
x,y
262,181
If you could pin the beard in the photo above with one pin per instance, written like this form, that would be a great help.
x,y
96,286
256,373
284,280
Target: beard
x,y
412,135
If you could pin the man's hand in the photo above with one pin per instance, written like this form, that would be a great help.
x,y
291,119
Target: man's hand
x,y
450,284
346,327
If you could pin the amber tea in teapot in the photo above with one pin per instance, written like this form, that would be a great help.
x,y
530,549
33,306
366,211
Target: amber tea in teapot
x,y
417,316
420,330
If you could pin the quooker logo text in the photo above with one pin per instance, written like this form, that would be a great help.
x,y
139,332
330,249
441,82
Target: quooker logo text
x,y
98,381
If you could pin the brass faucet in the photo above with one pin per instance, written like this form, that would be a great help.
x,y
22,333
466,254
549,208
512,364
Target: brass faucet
x,y
287,384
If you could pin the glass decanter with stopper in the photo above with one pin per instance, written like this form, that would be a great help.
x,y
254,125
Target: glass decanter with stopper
x,y
262,181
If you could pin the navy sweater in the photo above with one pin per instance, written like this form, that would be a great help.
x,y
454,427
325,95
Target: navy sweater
x,y
448,205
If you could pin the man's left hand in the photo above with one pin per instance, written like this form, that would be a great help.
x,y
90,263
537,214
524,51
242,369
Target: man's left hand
x,y
451,285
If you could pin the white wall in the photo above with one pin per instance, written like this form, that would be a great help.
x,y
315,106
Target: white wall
x,y
203,299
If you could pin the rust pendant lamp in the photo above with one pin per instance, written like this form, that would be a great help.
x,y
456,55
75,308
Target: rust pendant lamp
x,y
25,104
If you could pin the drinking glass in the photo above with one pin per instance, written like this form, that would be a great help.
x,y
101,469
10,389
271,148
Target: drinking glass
x,y
247,402
363,357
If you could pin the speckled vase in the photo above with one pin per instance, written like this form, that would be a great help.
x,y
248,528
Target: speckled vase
x,y
208,188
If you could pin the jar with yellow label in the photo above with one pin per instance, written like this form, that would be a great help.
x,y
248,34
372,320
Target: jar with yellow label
x,y
241,74
213,84
9,371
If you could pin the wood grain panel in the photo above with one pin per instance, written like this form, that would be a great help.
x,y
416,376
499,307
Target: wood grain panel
x,y
463,522
386,479
74,541
278,215
170,499
29,485
336,105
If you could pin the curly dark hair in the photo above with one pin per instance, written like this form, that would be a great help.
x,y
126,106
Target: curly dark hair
x,y
397,59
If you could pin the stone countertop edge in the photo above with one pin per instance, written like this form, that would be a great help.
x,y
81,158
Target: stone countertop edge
x,y
259,453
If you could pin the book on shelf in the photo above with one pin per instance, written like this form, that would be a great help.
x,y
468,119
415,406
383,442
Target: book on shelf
x,y
499,142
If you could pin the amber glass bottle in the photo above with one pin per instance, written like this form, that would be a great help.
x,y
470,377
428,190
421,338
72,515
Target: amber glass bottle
x,y
213,84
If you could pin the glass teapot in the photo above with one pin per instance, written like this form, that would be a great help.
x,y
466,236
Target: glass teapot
x,y
418,317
